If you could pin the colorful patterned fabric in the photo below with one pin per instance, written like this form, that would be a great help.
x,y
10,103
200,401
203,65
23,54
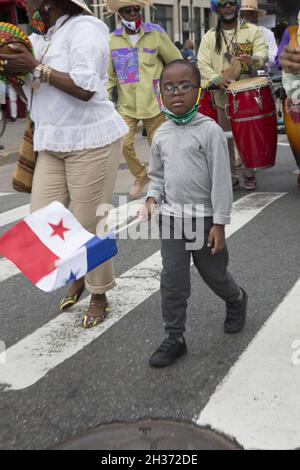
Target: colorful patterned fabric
x,y
11,34
135,69
126,64
23,174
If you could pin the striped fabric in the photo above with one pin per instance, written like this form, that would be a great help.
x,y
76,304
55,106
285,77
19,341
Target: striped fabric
x,y
23,174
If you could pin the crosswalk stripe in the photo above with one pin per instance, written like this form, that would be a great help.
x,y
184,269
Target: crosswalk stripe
x,y
117,216
18,213
13,215
34,356
7,269
258,402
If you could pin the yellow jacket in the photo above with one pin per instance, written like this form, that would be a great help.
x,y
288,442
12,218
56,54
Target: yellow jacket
x,y
249,40
135,69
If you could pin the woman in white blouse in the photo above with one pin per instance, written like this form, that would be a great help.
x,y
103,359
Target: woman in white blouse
x,y
77,130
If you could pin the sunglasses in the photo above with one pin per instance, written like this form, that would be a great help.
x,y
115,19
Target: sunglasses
x,y
228,3
128,10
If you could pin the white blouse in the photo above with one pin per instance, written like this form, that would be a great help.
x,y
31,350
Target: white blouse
x,y
64,123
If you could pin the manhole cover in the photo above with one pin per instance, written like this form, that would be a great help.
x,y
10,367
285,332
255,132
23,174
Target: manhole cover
x,y
149,435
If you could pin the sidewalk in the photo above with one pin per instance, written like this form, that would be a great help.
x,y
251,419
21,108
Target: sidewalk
x,y
11,140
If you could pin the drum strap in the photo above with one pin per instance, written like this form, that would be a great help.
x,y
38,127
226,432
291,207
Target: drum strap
x,y
293,30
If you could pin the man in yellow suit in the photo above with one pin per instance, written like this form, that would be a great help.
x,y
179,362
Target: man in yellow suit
x,y
138,53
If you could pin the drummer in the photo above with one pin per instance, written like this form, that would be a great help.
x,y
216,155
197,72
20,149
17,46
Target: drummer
x,y
231,51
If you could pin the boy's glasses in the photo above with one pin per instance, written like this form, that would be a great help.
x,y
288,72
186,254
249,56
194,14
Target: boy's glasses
x,y
128,10
182,88
228,3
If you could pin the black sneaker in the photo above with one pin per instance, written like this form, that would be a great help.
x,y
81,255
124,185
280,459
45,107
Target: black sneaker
x,y
169,350
236,314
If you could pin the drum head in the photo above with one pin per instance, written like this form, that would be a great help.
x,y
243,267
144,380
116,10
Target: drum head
x,y
248,84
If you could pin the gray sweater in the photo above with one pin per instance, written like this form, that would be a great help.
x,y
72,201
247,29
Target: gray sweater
x,y
190,165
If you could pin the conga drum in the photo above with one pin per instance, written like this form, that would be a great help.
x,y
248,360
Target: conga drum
x,y
253,117
207,105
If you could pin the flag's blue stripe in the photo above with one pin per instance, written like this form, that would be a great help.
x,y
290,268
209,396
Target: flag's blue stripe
x,y
100,250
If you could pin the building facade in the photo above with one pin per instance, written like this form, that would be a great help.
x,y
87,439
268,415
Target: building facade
x,y
183,19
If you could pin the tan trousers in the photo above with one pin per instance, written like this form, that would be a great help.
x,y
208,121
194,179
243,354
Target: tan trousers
x,y
84,179
136,167
224,122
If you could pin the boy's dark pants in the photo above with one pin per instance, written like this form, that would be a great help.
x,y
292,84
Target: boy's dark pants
x,y
175,276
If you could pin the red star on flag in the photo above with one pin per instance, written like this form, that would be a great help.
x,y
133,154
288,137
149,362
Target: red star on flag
x,y
59,230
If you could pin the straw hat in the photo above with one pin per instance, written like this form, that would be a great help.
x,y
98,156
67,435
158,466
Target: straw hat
x,y
252,5
83,5
113,6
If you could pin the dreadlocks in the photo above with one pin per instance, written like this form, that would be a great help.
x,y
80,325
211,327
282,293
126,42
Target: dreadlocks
x,y
218,36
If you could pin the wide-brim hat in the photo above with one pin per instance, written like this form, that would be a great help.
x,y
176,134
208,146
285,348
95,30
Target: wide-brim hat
x,y
113,6
252,5
83,5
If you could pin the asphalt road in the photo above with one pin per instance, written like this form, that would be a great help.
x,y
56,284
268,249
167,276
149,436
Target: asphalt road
x,y
108,379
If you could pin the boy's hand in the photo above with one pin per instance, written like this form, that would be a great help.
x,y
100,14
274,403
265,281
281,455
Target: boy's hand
x,y
216,239
146,211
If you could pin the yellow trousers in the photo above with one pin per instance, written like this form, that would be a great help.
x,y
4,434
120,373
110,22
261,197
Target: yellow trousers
x,y
136,167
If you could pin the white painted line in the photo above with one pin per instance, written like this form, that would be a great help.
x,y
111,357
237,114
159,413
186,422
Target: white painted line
x,y
34,356
118,215
248,207
6,194
285,144
13,215
258,402
7,269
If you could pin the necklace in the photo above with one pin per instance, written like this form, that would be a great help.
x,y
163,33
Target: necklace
x,y
228,53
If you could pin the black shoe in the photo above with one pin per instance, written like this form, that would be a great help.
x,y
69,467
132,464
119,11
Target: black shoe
x,y
236,314
169,350
12,119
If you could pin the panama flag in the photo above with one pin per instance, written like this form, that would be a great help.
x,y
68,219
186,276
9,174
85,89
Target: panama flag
x,y
51,247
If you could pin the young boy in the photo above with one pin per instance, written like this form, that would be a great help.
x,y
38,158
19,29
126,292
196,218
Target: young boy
x,y
189,164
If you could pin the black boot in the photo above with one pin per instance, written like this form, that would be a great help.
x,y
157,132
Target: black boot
x,y
236,314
